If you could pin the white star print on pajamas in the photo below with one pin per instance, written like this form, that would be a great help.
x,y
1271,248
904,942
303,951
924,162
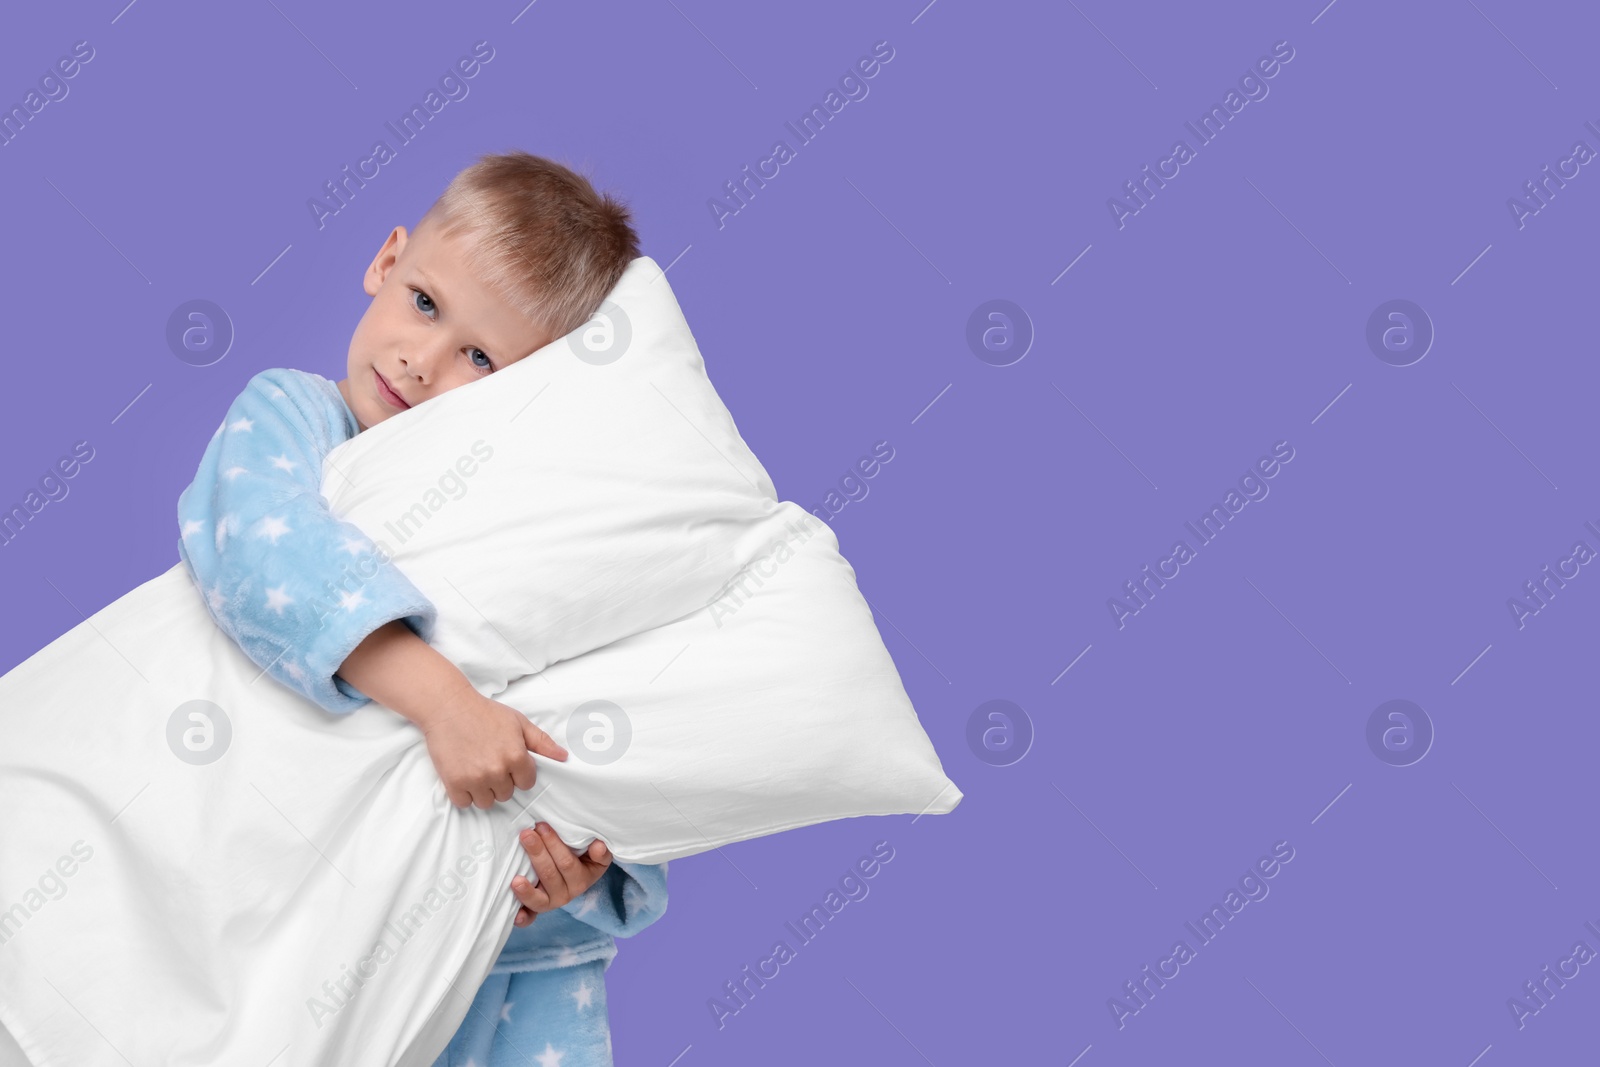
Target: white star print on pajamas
x,y
531,1028
583,995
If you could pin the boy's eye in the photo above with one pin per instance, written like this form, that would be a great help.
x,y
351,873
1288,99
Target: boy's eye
x,y
424,303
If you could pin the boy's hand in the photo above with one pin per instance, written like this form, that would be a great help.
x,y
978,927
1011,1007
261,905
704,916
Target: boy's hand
x,y
563,874
480,748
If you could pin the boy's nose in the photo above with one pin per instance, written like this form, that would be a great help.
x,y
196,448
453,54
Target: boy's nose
x,y
425,362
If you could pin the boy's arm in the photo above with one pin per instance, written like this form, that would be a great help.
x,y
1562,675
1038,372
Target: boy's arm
x,y
479,746
296,588
400,670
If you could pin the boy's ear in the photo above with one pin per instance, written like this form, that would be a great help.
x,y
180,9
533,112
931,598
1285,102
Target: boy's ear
x,y
384,261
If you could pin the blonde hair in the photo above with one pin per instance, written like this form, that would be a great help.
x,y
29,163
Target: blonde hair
x,y
539,234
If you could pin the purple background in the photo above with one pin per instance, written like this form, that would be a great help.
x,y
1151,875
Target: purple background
x,y
1228,315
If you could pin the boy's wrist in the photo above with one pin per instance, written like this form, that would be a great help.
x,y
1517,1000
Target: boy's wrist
x,y
433,690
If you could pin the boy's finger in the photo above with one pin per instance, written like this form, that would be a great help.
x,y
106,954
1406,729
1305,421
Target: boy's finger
x,y
544,865
524,773
594,860
542,743
531,896
566,860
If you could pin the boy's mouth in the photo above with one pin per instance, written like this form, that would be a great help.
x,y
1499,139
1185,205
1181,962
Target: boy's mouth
x,y
387,392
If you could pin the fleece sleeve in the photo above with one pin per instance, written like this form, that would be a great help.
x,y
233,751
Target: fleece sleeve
x,y
296,588
626,899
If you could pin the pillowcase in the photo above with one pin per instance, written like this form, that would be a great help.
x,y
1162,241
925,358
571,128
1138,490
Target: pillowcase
x,y
608,556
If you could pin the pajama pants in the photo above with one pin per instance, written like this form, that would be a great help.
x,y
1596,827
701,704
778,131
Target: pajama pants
x,y
551,1018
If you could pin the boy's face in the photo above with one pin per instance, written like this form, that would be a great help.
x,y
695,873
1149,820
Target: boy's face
x,y
430,328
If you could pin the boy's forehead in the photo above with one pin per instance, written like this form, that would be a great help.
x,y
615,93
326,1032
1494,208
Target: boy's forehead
x,y
441,260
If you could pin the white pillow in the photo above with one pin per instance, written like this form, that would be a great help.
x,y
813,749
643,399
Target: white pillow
x,y
609,557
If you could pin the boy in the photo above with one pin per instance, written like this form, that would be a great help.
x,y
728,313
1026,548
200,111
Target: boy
x,y
516,252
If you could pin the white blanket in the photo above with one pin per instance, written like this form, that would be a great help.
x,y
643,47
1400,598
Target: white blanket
x,y
308,896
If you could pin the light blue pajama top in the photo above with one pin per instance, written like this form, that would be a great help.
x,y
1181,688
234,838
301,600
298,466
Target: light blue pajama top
x,y
277,570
